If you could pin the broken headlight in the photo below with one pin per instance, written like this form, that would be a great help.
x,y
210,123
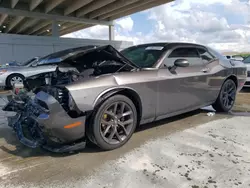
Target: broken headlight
x,y
71,102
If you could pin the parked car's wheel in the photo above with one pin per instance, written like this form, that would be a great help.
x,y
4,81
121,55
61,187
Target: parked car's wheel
x,y
114,122
226,98
13,79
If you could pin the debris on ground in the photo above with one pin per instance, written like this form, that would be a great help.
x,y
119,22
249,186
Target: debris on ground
x,y
210,114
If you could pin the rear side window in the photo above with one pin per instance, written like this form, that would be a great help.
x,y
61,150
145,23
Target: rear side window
x,y
205,55
216,54
189,53
184,52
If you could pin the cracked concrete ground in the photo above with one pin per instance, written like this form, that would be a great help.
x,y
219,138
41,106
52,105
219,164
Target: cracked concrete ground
x,y
191,150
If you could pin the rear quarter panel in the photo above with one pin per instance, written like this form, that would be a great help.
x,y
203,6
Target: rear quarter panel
x,y
219,72
240,70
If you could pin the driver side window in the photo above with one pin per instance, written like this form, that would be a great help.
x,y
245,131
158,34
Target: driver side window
x,y
188,53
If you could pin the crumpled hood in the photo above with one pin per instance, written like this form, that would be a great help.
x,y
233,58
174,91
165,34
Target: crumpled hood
x,y
109,50
71,54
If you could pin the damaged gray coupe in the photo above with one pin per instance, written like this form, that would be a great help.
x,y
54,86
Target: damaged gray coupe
x,y
100,95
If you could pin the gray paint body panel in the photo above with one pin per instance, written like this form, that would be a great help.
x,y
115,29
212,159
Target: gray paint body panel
x,y
160,91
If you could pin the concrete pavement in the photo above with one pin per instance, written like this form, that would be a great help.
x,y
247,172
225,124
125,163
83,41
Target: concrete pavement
x,y
215,154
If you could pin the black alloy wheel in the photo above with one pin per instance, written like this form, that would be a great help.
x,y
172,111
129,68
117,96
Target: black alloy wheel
x,y
114,122
227,96
117,122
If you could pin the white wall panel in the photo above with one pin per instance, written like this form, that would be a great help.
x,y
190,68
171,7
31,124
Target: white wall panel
x,y
5,52
21,48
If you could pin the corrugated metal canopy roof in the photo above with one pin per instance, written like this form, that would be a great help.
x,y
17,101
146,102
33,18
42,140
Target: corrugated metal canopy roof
x,y
34,17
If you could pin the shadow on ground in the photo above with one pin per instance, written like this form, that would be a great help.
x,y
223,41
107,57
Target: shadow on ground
x,y
22,151
245,90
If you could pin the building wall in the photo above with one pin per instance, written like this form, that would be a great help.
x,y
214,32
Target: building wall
x,y
20,48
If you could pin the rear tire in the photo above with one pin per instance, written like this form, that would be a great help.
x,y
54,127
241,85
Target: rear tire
x,y
226,98
113,123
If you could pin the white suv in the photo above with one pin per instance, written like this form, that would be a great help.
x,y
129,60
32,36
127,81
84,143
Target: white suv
x,y
235,57
247,63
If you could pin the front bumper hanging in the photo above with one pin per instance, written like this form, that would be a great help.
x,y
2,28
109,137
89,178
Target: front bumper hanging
x,y
36,126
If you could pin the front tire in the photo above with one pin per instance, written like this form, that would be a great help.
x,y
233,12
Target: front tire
x,y
14,78
113,123
226,98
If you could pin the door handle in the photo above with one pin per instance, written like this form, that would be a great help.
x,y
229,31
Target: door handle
x,y
205,69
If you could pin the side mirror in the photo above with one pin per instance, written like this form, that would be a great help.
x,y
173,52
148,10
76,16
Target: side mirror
x,y
181,63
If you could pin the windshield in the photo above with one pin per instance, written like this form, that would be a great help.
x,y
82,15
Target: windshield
x,y
28,62
144,56
247,60
61,55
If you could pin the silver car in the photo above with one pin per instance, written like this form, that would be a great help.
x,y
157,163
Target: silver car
x,y
10,75
102,95
16,73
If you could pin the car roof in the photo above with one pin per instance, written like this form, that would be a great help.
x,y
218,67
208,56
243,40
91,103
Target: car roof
x,y
171,44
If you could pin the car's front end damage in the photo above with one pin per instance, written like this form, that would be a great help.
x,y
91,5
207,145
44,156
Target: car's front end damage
x,y
51,107
41,121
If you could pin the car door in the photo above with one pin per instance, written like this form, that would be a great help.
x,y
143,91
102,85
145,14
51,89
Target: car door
x,y
185,88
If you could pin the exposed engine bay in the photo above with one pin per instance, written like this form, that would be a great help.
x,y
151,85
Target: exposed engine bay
x,y
66,73
79,67
79,63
